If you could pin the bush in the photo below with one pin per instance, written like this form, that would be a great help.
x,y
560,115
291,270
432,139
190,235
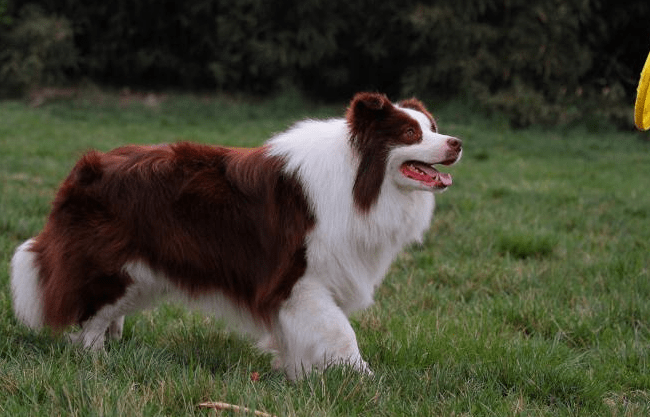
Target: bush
x,y
536,61
539,61
35,50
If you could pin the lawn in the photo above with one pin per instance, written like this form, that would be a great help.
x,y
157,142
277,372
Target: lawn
x,y
530,295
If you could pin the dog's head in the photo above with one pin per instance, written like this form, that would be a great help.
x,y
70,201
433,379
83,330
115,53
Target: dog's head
x,y
398,143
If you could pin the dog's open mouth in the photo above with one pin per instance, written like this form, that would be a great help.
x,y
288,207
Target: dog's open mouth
x,y
425,174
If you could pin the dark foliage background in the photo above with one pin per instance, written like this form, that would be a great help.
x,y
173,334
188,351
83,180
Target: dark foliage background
x,y
537,61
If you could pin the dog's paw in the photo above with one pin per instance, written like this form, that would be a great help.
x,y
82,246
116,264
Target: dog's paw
x,y
87,341
115,329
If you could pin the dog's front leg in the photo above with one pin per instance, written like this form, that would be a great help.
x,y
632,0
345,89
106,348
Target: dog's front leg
x,y
314,333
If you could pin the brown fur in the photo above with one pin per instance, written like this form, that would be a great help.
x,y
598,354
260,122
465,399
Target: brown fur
x,y
376,125
172,206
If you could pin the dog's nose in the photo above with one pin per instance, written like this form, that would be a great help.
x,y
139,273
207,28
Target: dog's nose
x,y
455,144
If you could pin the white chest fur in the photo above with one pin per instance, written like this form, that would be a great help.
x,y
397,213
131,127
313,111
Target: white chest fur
x,y
348,250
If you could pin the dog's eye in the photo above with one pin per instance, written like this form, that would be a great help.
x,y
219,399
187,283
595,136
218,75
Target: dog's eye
x,y
411,134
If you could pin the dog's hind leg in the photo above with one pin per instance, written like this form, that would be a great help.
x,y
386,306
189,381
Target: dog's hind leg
x,y
107,320
115,328
92,333
141,292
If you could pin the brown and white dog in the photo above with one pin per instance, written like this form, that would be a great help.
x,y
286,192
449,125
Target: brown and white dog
x,y
284,241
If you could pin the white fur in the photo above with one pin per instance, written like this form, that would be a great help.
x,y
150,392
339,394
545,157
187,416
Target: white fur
x,y
147,290
348,252
314,333
25,289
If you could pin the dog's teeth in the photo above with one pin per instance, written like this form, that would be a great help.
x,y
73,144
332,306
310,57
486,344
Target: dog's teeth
x,y
416,169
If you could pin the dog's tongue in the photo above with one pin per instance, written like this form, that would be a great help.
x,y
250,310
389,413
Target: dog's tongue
x,y
426,174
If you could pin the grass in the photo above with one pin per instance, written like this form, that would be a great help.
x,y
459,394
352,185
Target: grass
x,y
530,295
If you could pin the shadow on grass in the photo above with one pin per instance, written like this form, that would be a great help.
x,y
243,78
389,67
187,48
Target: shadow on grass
x,y
522,245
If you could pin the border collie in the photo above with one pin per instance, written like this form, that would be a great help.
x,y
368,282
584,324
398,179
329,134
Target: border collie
x,y
283,241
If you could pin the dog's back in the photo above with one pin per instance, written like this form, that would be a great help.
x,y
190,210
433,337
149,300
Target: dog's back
x,y
170,207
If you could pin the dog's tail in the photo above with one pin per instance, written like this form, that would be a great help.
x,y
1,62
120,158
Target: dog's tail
x,y
26,287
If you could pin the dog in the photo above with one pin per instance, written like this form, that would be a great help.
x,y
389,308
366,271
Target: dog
x,y
283,241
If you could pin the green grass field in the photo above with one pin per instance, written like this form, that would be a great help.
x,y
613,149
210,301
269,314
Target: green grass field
x,y
530,296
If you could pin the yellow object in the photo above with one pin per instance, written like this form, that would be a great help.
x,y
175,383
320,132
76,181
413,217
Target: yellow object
x,y
642,105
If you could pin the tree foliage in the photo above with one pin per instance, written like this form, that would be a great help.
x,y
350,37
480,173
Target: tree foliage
x,y
539,61
38,49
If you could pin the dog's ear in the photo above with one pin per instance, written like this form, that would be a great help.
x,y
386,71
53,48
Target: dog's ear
x,y
415,104
371,101
366,108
